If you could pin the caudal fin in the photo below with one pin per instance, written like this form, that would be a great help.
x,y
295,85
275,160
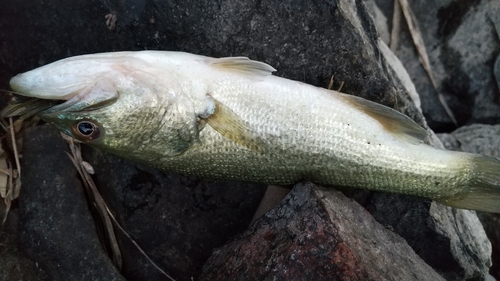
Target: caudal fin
x,y
484,192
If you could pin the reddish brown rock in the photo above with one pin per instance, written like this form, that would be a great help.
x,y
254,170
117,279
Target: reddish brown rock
x,y
315,234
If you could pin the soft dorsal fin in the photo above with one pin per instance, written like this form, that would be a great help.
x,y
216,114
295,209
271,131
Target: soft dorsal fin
x,y
393,121
243,65
231,126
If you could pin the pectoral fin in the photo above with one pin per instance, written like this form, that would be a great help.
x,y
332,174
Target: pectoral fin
x,y
231,126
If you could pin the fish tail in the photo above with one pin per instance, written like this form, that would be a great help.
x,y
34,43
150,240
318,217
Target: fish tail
x,y
483,192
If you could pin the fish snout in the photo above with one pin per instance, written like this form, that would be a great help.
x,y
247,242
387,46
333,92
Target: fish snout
x,y
46,84
20,84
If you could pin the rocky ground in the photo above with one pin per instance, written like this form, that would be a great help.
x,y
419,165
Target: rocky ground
x,y
201,228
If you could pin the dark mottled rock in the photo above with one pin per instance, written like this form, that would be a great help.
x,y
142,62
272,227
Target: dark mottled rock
x,y
176,220
15,264
481,139
315,234
56,229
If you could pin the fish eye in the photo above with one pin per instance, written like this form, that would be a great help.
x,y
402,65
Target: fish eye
x,y
86,130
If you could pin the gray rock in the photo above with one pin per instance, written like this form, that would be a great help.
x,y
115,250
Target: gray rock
x,y
462,42
470,247
56,229
317,234
491,223
476,138
496,71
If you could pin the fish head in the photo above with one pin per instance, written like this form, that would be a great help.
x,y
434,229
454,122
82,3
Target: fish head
x,y
114,104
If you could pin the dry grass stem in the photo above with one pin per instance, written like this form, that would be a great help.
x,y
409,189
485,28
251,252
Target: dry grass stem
x,y
340,87
85,169
330,84
97,201
418,41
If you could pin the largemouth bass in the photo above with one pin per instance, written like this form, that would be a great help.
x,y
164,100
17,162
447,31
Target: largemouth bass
x,y
230,118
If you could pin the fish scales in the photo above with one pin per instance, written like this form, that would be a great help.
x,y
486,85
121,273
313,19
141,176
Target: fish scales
x,y
319,138
230,118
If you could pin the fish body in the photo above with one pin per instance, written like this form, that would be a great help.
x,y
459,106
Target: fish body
x,y
230,118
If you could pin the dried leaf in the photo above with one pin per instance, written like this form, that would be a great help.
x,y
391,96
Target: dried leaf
x,y
17,188
10,177
8,196
18,125
14,146
4,175
88,168
418,41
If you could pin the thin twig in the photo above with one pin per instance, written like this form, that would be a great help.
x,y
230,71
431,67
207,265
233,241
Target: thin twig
x,y
418,41
137,245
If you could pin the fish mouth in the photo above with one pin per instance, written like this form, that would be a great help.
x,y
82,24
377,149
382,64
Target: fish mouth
x,y
25,107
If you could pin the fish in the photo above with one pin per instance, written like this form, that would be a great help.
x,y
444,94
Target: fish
x,y
231,118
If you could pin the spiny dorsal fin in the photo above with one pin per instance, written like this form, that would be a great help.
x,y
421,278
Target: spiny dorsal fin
x,y
393,121
232,127
243,65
